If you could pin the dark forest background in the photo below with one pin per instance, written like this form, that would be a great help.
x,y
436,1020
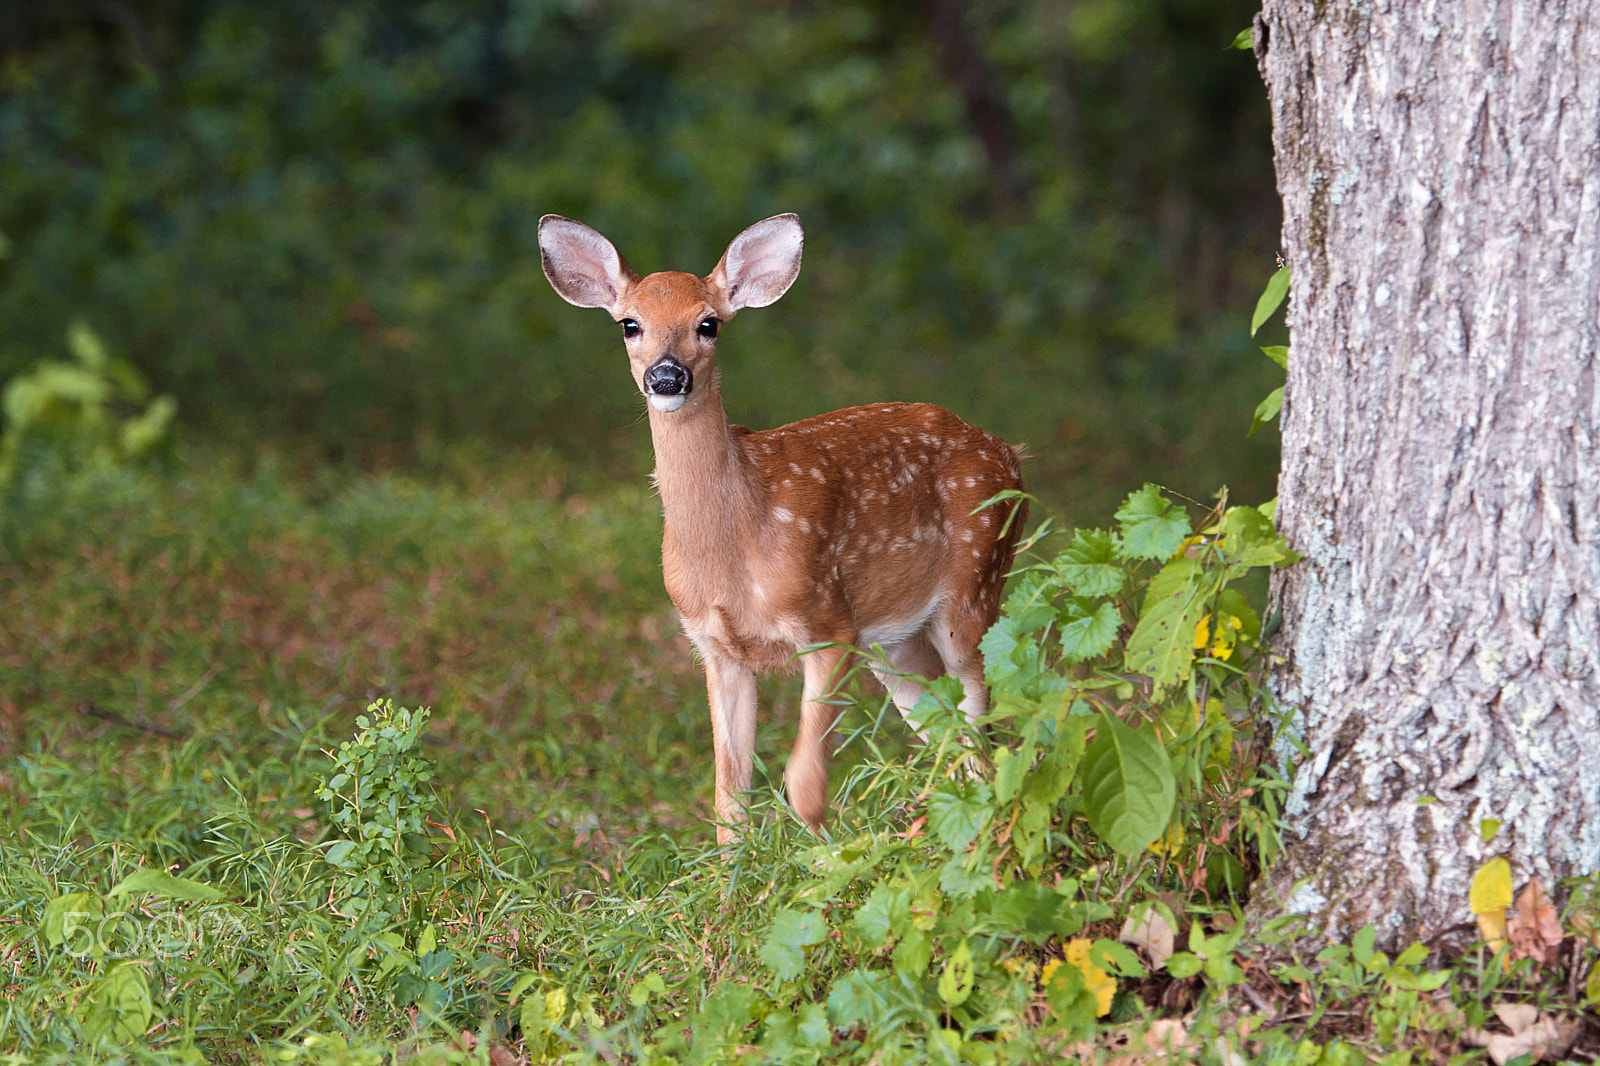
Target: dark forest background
x,y
314,224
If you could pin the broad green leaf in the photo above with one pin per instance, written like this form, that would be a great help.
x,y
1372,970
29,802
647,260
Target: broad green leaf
x,y
72,921
1088,629
956,813
1232,604
792,932
1029,601
1162,644
959,882
1271,297
955,980
118,1007
913,953
1128,787
1011,766
649,985
161,883
1243,41
1089,564
1152,527
882,914
1030,911
857,998
999,646
1278,353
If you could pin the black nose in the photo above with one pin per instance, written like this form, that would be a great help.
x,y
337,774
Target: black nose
x,y
668,377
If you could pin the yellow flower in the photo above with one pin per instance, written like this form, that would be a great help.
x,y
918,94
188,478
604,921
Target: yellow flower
x,y
1095,980
1170,841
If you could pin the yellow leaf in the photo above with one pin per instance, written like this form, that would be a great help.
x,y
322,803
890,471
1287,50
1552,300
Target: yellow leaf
x,y
1101,984
1489,897
1170,843
1491,887
555,1005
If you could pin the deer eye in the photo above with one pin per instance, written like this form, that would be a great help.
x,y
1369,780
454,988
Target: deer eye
x,y
630,328
708,327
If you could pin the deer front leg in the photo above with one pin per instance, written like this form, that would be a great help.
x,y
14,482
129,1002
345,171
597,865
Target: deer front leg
x,y
731,687
807,776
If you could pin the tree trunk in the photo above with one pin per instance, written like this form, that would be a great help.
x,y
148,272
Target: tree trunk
x,y
1439,162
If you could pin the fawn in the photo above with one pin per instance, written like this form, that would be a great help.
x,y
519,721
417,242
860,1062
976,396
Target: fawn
x,y
847,530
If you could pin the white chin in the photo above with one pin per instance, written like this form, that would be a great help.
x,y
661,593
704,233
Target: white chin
x,y
667,403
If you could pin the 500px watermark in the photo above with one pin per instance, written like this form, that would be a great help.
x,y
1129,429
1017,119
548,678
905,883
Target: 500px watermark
x,y
166,935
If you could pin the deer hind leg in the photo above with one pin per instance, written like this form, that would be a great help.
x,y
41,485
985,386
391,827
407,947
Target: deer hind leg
x,y
732,691
806,779
913,660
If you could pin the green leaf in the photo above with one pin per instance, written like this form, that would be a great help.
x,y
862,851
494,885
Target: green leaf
x,y
957,812
161,883
118,1007
1089,564
1243,41
1011,766
913,953
857,998
1031,911
955,980
1029,601
1088,630
1271,297
1162,644
1152,527
649,985
1128,787
1267,409
958,882
883,913
85,343
144,432
792,932
1182,964
998,647
1278,353
1232,603
72,921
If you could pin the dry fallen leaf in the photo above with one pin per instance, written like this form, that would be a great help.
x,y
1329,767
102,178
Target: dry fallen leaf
x,y
1152,933
1535,931
1166,1036
1530,1034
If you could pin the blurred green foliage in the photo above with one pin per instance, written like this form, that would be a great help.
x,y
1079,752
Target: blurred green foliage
x,y
318,220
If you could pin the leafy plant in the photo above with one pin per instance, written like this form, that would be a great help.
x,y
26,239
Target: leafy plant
x,y
379,798
96,410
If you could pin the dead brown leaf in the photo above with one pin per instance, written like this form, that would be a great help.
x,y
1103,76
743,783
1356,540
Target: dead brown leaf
x,y
1531,1034
1535,930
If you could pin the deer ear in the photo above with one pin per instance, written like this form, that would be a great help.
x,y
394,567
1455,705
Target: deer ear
x,y
760,264
583,267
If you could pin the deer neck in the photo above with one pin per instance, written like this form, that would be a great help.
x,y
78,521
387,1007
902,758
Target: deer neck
x,y
711,500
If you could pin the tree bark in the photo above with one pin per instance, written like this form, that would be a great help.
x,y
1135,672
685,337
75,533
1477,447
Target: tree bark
x,y
1439,162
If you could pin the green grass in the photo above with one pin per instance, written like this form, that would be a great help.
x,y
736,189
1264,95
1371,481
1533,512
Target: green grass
x,y
183,652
